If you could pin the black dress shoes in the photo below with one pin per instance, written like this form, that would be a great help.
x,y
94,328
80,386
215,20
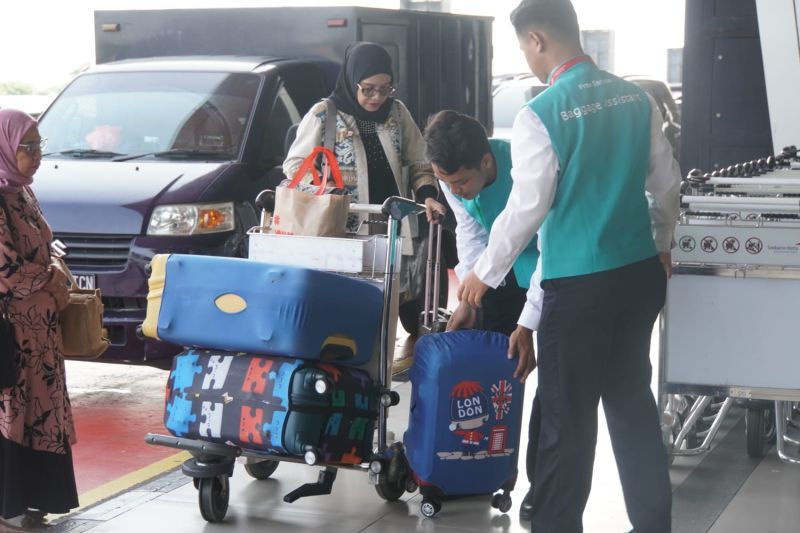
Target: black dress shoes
x,y
526,509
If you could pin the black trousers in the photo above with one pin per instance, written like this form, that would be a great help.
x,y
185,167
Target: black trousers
x,y
594,344
499,311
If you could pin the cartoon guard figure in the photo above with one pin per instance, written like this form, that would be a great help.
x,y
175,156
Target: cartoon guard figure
x,y
469,410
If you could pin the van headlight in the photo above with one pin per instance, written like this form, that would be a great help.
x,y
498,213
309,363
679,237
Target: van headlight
x,y
191,219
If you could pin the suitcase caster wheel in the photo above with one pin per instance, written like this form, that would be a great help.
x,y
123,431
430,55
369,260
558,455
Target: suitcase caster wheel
x,y
429,508
496,500
196,482
411,485
501,502
388,399
311,457
261,469
213,498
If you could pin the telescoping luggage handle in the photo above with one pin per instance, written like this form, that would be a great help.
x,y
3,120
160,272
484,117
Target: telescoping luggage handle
x,y
433,268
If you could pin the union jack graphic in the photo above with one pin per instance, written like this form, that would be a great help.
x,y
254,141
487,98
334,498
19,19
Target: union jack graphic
x,y
501,398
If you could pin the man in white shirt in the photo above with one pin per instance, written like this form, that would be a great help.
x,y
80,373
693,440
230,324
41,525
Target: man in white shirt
x,y
476,173
596,179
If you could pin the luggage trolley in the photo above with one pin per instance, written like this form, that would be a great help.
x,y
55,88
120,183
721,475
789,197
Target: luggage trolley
x,y
728,331
375,258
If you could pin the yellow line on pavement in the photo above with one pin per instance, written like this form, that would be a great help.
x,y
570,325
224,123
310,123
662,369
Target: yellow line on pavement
x,y
127,481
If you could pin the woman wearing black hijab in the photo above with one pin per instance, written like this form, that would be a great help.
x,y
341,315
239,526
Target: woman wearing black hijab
x,y
376,138
375,134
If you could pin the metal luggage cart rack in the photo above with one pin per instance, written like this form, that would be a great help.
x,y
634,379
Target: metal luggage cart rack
x,y
728,329
375,257
354,255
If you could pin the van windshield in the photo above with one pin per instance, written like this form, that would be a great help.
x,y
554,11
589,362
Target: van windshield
x,y
109,114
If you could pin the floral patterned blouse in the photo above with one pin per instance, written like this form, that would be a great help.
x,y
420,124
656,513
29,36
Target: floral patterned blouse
x,y
36,412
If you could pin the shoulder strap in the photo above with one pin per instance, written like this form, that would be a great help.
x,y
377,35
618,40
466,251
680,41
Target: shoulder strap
x,y
329,139
6,301
4,207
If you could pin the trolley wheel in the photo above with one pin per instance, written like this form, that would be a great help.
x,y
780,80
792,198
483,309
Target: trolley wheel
x,y
759,429
262,469
213,498
429,507
411,485
196,483
388,490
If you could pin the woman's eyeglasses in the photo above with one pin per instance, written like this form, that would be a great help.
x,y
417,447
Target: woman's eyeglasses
x,y
370,91
33,147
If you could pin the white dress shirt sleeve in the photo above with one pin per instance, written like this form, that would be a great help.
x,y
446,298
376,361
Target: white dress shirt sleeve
x,y
535,174
532,311
471,237
663,183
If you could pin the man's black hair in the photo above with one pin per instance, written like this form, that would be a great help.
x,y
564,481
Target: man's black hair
x,y
557,16
455,140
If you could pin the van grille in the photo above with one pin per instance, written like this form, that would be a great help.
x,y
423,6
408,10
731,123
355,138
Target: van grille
x,y
96,253
116,303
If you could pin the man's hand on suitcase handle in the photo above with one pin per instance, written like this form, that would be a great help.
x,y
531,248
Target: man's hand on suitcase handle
x,y
464,317
520,345
472,290
434,210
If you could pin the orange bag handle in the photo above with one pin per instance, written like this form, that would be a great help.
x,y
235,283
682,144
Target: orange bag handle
x,y
329,166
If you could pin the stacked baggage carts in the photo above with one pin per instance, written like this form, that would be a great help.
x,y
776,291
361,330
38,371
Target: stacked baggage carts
x,y
289,358
730,324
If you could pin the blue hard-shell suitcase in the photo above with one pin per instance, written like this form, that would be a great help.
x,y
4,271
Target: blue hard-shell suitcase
x,y
466,412
248,306
273,405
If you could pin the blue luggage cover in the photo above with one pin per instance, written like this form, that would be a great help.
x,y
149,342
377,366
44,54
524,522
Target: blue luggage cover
x,y
466,411
248,306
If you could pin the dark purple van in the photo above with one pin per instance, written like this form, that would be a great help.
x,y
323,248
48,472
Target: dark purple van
x,y
165,156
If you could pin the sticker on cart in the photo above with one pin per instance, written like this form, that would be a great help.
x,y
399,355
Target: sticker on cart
x,y
730,245
753,245
708,244
687,243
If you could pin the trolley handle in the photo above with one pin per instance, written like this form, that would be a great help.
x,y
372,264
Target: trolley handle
x,y
366,209
399,208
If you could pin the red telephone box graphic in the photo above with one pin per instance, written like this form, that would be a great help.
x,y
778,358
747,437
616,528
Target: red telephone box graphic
x,y
498,439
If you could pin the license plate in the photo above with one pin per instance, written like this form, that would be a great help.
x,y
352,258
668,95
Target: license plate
x,y
86,281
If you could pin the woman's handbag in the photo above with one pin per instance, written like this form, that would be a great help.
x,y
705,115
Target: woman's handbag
x,y
82,333
318,212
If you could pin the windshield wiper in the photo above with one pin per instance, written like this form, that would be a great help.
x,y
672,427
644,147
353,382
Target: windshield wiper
x,y
86,152
177,152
